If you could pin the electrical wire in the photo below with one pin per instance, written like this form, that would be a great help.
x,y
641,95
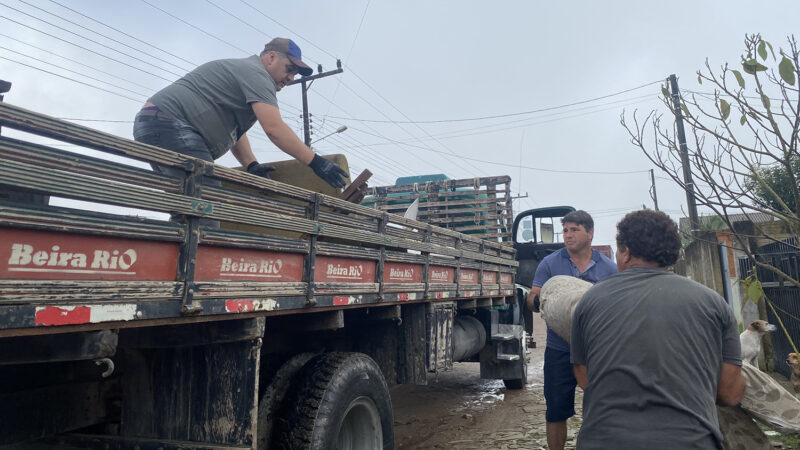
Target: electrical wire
x,y
73,71
72,79
124,33
347,58
195,27
533,111
90,40
51,54
451,161
526,122
106,36
84,48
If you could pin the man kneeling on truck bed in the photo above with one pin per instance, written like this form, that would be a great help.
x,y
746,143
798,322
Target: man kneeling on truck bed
x,y
209,110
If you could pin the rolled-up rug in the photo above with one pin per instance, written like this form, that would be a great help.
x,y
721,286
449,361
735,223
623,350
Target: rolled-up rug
x,y
557,302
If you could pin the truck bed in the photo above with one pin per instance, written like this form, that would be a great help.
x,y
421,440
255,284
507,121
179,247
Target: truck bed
x,y
69,269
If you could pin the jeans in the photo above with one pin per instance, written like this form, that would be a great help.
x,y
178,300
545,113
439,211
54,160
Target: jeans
x,y
178,136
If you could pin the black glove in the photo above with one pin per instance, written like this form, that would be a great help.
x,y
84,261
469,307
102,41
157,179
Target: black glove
x,y
536,304
261,170
328,171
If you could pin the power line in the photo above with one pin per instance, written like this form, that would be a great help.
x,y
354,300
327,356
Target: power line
x,y
499,116
124,33
84,48
347,58
237,18
259,31
90,40
289,30
50,53
71,79
72,71
404,115
455,162
525,125
517,166
105,36
195,27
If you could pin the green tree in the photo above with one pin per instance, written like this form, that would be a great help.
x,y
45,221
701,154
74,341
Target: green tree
x,y
779,182
742,137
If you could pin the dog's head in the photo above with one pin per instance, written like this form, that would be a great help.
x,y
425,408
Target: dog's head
x,y
793,359
762,326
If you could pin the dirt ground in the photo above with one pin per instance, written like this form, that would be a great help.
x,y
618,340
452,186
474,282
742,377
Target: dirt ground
x,y
460,411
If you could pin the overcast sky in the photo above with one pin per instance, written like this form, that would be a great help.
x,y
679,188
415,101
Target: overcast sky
x,y
421,83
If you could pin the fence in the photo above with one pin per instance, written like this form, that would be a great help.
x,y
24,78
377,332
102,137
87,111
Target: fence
x,y
783,296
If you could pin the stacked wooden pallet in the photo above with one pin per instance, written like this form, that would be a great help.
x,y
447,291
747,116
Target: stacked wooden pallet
x,y
476,206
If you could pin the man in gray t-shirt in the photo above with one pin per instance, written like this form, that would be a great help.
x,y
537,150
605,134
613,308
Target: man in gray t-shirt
x,y
208,111
653,351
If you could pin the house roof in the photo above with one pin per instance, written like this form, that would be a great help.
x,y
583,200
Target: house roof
x,y
711,220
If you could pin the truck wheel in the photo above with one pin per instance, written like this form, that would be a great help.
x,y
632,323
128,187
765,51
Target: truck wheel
x,y
274,395
340,402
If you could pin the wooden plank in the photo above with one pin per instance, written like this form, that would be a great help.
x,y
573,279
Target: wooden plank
x,y
356,190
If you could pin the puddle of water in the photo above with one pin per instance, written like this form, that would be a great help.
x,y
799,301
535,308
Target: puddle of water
x,y
489,393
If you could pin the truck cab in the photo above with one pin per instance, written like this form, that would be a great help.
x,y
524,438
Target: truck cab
x,y
536,235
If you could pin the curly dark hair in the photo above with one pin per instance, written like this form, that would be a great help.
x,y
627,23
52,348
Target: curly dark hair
x,y
579,217
650,235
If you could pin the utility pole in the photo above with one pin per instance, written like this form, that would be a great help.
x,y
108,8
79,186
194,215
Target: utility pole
x,y
653,189
5,86
305,83
687,170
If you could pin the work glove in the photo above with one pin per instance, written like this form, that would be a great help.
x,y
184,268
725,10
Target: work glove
x,y
328,171
261,170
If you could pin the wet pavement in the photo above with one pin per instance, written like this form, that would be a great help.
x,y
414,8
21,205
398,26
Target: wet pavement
x,y
458,410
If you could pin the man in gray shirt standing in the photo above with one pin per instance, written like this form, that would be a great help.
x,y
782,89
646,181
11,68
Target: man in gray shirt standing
x,y
652,350
209,110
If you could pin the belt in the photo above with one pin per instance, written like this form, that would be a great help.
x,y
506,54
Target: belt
x,y
153,111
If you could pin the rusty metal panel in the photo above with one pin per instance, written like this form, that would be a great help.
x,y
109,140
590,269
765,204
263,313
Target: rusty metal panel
x,y
439,318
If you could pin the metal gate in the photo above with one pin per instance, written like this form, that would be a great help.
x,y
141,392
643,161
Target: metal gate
x,y
783,296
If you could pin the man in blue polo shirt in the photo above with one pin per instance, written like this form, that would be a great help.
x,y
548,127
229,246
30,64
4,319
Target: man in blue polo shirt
x,y
578,260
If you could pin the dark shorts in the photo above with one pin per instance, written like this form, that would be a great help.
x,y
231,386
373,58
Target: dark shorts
x,y
178,136
559,385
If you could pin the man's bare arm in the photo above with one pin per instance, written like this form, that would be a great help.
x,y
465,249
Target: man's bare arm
x,y
580,375
731,385
280,134
243,152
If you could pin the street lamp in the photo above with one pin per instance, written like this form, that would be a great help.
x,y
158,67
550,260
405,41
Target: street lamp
x,y
338,130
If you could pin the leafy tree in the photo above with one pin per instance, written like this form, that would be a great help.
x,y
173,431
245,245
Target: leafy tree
x,y
742,137
776,177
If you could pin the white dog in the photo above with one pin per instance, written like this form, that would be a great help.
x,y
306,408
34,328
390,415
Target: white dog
x,y
751,340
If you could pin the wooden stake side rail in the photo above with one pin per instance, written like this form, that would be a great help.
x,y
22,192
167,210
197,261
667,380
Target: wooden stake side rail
x,y
42,125
65,268
481,207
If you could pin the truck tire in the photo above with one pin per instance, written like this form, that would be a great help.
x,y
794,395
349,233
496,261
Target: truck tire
x,y
340,402
274,395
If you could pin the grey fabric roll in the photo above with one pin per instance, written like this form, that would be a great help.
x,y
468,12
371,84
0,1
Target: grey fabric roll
x,y
558,299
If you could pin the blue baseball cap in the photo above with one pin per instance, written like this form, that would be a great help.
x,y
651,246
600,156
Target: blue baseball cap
x,y
290,49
